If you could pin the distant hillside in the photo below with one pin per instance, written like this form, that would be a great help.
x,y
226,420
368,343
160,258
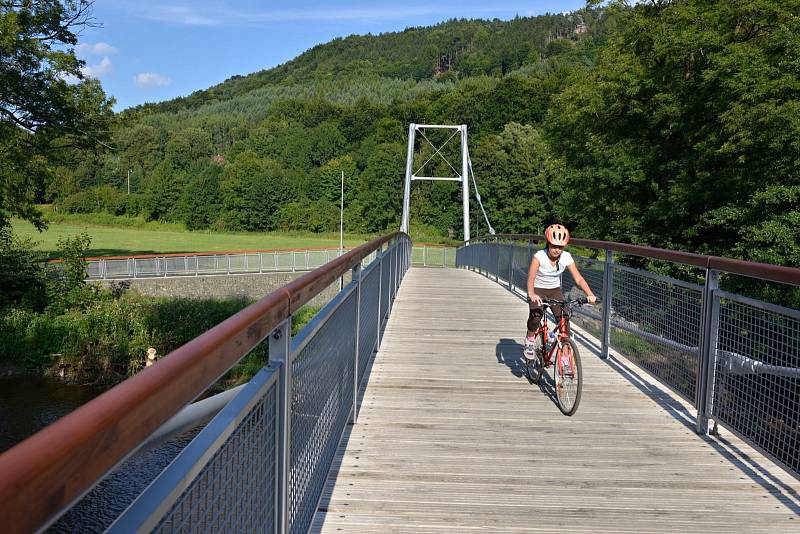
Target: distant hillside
x,y
449,50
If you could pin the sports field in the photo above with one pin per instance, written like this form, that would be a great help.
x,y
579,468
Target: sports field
x,y
113,241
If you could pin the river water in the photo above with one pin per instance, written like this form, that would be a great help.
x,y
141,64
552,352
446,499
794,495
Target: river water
x,y
28,404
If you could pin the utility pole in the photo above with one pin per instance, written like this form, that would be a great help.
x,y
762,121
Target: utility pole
x,y
341,230
129,180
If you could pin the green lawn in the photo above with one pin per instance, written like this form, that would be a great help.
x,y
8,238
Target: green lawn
x,y
109,240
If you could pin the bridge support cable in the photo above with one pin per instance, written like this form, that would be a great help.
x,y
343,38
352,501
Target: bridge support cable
x,y
478,197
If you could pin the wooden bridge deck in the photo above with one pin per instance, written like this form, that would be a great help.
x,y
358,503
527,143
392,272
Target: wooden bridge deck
x,y
452,437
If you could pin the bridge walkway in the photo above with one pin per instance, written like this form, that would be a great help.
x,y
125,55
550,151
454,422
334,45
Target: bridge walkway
x,y
452,437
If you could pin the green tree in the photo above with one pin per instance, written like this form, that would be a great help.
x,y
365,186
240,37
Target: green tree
x,y
513,170
69,289
22,279
253,190
200,203
45,104
186,147
686,127
380,189
316,216
329,186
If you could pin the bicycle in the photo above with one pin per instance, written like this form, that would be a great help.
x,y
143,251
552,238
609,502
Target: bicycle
x,y
567,371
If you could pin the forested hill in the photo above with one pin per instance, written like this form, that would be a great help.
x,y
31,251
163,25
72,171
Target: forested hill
x,y
449,50
666,123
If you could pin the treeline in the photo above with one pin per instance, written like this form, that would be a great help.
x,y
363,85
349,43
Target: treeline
x,y
667,123
272,158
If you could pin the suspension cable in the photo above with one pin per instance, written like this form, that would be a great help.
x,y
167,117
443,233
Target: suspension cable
x,y
478,196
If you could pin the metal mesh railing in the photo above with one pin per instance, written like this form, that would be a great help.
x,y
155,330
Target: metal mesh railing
x,y
322,396
681,333
521,258
368,331
425,256
757,381
235,491
208,264
243,464
656,323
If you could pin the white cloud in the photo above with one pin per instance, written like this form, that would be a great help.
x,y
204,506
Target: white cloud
x,y
98,70
151,79
96,49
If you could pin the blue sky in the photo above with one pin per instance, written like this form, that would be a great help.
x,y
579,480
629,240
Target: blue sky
x,y
148,51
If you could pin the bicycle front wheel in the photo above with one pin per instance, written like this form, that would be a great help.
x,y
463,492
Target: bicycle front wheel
x,y
568,377
535,367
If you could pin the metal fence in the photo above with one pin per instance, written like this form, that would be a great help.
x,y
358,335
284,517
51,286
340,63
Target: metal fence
x,y
209,264
262,462
736,359
425,256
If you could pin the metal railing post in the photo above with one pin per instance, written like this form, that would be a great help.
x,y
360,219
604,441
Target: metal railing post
x,y
396,267
497,250
279,352
392,272
608,292
709,330
510,265
380,295
357,279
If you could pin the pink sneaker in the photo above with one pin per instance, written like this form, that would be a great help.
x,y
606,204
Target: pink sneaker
x,y
530,348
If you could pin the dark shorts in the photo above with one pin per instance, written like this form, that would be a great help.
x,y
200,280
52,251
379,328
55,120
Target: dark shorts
x,y
536,312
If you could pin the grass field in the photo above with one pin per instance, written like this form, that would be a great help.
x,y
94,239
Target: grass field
x,y
120,235
113,241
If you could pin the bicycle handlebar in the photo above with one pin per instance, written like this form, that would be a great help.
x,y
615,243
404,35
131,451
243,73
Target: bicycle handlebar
x,y
579,301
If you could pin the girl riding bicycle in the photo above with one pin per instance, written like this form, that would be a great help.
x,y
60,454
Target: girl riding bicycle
x,y
544,280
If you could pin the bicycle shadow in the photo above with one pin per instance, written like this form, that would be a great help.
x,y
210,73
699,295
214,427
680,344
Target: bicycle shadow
x,y
509,353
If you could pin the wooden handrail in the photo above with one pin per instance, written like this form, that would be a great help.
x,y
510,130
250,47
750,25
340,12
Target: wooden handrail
x,y
50,470
763,271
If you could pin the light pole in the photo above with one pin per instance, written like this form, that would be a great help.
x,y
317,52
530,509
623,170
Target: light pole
x,y
129,180
341,230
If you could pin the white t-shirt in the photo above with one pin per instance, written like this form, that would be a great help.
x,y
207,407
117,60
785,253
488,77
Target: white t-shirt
x,y
549,276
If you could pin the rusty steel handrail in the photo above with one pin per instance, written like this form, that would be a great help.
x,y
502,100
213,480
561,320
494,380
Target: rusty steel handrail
x,y
53,468
763,271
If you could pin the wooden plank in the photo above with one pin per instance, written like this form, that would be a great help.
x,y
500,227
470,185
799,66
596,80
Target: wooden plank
x,y
452,437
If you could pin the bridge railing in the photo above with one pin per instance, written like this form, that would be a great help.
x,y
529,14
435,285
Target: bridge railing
x,y
261,463
111,268
433,256
736,359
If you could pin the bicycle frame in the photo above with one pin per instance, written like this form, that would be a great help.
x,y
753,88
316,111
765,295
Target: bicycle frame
x,y
561,329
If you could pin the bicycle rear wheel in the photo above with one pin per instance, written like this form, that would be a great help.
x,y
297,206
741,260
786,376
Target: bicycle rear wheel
x,y
568,377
